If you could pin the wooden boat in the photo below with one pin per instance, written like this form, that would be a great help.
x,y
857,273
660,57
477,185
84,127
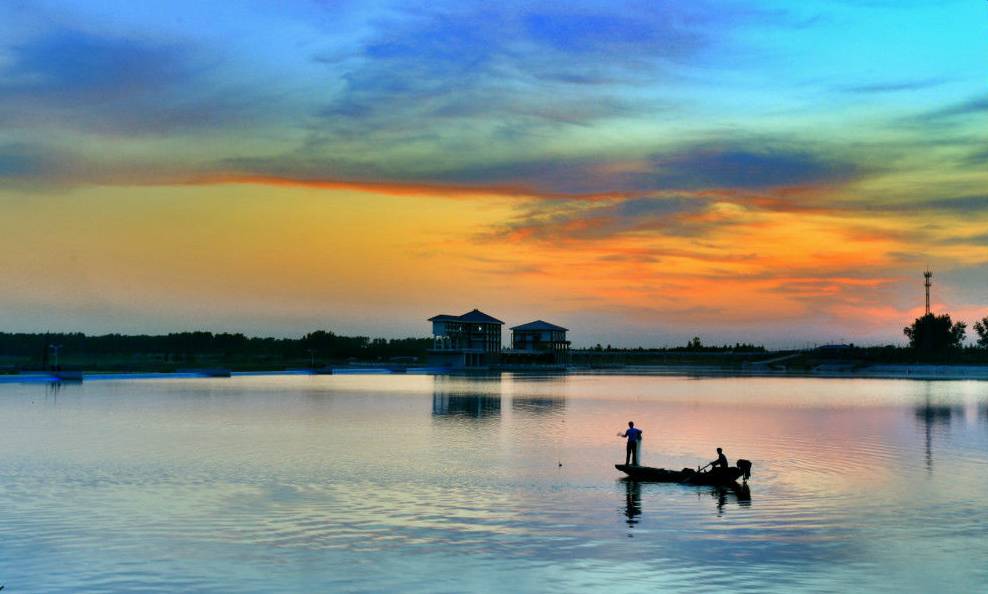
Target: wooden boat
x,y
726,477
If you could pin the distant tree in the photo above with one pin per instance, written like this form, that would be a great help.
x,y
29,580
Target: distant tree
x,y
981,327
935,334
695,345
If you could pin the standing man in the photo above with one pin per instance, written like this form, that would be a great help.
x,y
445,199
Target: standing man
x,y
634,437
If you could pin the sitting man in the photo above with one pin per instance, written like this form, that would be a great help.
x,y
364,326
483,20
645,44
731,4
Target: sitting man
x,y
720,462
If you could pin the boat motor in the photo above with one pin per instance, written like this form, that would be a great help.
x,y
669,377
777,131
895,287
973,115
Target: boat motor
x,y
745,467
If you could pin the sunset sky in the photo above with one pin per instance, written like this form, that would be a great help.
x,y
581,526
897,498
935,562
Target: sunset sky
x,y
639,172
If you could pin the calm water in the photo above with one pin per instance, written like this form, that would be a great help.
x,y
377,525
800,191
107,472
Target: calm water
x,y
440,484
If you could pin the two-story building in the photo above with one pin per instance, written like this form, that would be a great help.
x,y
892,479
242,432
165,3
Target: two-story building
x,y
539,336
470,340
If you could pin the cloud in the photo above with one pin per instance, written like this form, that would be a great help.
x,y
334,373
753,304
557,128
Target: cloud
x,y
443,78
450,96
965,205
733,165
977,158
454,78
895,86
30,165
80,66
42,165
975,106
973,240
738,166
578,220
706,166
17,161
72,80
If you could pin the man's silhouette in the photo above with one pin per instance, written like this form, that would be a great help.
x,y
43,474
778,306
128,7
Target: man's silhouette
x,y
634,436
720,462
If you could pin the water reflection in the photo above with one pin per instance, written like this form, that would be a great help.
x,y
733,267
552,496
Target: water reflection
x,y
474,406
539,406
931,416
266,474
740,495
632,510
937,414
633,501
540,377
54,389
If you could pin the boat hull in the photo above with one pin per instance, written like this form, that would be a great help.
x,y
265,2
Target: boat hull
x,y
718,477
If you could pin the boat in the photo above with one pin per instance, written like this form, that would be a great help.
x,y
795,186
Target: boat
x,y
725,477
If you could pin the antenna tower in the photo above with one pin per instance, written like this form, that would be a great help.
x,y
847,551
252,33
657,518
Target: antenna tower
x,y
929,282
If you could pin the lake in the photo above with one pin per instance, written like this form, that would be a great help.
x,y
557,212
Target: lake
x,y
418,483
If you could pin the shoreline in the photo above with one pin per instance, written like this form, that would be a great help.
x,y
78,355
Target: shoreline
x,y
919,371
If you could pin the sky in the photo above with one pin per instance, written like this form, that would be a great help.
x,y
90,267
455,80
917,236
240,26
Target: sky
x,y
640,172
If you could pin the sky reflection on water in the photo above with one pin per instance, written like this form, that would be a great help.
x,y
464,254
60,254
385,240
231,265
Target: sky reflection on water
x,y
452,484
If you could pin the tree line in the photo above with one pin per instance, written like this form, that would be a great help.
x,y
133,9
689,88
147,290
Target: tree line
x,y
694,345
319,346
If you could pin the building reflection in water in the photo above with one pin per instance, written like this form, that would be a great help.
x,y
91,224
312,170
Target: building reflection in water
x,y
466,405
466,398
539,406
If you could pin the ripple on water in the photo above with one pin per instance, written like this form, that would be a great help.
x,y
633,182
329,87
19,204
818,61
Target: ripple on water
x,y
259,485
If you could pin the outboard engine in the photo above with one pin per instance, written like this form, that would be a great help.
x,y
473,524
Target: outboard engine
x,y
745,467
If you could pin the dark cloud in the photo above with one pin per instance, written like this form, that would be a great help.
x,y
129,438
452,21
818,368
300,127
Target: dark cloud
x,y
970,204
112,85
977,240
79,66
977,158
952,114
977,105
26,164
15,162
736,165
895,86
43,165
966,204
579,220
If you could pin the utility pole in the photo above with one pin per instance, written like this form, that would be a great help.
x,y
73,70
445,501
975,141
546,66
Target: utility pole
x,y
929,283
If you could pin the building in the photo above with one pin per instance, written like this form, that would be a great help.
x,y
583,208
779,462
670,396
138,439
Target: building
x,y
470,340
539,337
